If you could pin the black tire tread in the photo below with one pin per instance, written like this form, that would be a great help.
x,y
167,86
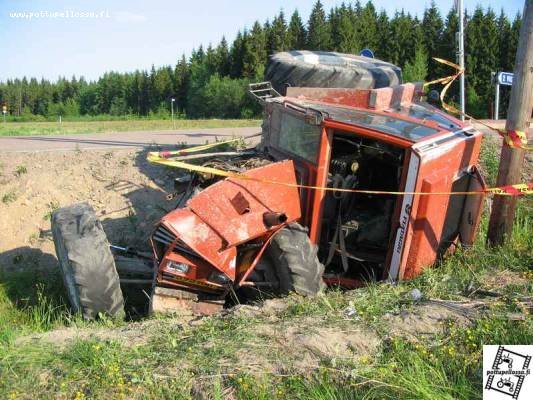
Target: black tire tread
x,y
86,262
288,69
295,261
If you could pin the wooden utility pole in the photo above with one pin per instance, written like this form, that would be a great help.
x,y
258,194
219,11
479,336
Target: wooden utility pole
x,y
518,115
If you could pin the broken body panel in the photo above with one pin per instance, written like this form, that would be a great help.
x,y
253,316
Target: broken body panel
x,y
215,222
379,139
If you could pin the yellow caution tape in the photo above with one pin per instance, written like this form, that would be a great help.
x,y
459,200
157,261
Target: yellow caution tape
x,y
512,190
517,139
162,158
514,139
195,149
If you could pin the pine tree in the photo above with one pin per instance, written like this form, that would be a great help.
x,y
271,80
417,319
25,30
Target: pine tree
x,y
134,93
417,70
383,49
199,78
237,55
448,48
181,83
153,94
222,58
255,54
432,27
296,33
145,93
32,95
513,41
368,27
334,27
357,9
210,61
348,40
482,54
504,37
267,32
319,35
403,30
163,88
277,35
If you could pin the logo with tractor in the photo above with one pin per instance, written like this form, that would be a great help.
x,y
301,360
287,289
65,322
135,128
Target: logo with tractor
x,y
506,369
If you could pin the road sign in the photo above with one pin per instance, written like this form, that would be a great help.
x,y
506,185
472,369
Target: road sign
x,y
4,109
502,78
505,78
367,53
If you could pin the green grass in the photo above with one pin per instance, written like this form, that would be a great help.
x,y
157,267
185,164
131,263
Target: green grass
x,y
31,302
52,206
90,126
179,359
9,197
20,170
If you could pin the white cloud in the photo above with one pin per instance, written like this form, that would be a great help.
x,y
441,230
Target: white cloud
x,y
127,16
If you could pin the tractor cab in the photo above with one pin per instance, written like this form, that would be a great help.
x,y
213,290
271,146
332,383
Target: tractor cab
x,y
385,141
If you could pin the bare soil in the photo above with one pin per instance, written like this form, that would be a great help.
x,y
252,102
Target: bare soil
x,y
126,191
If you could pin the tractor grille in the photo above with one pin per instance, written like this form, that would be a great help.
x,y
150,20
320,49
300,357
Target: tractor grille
x,y
164,239
164,236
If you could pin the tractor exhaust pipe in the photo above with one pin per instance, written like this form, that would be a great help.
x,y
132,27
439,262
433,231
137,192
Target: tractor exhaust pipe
x,y
274,218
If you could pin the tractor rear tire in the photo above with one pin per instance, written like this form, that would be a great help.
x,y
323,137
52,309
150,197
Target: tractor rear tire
x,y
295,260
86,262
324,69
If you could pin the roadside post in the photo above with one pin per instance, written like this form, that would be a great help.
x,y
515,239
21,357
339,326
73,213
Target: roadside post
x,y
459,7
501,78
504,207
172,112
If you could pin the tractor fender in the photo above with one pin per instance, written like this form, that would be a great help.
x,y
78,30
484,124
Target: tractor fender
x,y
234,211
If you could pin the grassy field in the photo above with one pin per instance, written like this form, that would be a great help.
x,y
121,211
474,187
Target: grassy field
x,y
69,127
179,361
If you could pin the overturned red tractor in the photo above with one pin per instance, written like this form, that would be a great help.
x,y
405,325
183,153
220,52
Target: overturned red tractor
x,y
334,194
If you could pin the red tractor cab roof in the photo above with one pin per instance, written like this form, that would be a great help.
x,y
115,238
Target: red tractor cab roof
x,y
397,111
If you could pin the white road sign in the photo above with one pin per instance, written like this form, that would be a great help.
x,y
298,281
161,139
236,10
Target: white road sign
x,y
505,78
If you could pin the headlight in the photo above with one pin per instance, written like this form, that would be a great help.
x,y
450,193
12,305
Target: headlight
x,y
180,267
219,278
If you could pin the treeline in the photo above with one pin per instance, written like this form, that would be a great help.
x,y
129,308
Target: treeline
x,y
213,81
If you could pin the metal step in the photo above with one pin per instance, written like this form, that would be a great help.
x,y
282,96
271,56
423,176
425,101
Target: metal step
x,y
262,91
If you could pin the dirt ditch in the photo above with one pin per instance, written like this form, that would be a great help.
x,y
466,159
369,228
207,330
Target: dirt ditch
x,y
127,193
276,343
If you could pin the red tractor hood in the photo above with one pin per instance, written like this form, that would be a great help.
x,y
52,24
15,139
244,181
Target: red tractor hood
x,y
232,212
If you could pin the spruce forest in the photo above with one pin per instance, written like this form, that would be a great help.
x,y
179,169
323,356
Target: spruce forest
x,y
212,82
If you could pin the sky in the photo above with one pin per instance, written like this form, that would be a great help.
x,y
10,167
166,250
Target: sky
x,y
124,35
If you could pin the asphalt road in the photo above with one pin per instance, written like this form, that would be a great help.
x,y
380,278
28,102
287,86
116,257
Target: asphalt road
x,y
140,139
119,140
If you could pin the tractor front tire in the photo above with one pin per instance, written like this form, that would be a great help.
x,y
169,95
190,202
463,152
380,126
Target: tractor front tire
x,y
325,69
86,262
295,260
